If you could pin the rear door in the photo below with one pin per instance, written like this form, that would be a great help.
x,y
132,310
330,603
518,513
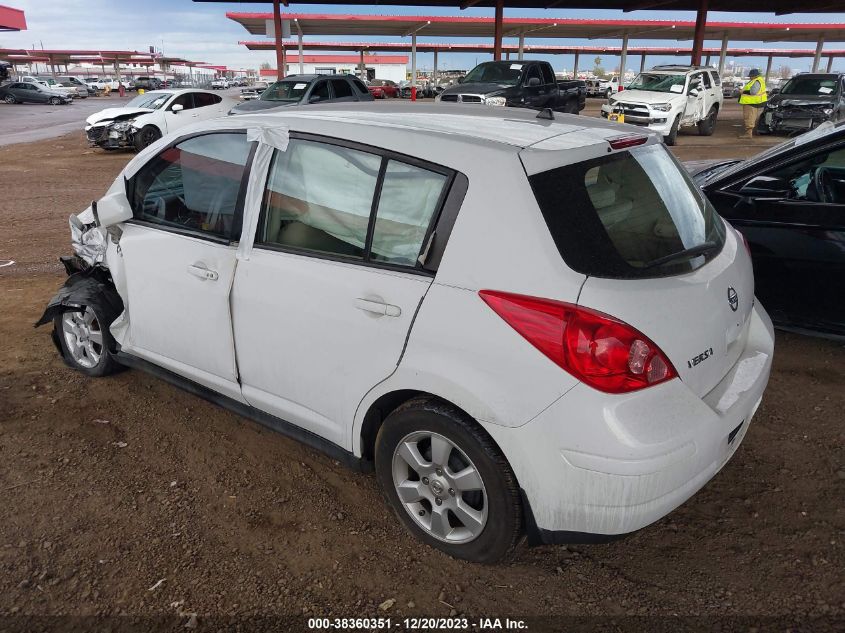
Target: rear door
x,y
323,305
635,210
696,108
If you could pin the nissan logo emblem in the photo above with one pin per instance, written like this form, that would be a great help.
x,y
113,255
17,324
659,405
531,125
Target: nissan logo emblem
x,y
733,299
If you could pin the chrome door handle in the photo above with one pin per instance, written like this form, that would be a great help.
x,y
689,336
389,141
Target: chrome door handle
x,y
202,272
378,307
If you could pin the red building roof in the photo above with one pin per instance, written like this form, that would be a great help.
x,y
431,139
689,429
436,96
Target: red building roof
x,y
347,59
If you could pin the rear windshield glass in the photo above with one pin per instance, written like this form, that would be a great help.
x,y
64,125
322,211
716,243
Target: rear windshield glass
x,y
628,215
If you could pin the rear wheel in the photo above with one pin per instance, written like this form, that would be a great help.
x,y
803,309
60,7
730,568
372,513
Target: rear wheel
x,y
147,135
447,481
85,342
571,107
672,137
707,126
10,99
55,101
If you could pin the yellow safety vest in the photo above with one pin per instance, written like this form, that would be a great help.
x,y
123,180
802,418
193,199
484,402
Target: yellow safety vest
x,y
760,97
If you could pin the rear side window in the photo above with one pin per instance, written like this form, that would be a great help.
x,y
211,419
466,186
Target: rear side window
x,y
202,99
362,88
350,203
716,79
194,185
341,88
623,215
548,75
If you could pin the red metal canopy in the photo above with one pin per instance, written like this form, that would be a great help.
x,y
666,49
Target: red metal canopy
x,y
461,26
11,19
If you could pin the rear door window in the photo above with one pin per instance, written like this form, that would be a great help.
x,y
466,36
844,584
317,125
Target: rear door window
x,y
341,88
548,75
623,215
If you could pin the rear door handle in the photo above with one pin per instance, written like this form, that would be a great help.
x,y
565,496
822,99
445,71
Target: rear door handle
x,y
378,307
202,272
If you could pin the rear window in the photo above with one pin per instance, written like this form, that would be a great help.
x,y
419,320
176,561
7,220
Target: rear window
x,y
627,215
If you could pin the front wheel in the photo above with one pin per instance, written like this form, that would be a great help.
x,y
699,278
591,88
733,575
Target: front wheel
x,y
85,341
147,135
672,138
609,93
447,482
707,126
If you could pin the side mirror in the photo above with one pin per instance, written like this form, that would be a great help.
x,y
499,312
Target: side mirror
x,y
314,98
533,82
111,209
177,108
693,92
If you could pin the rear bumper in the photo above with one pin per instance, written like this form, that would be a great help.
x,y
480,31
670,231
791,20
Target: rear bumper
x,y
594,466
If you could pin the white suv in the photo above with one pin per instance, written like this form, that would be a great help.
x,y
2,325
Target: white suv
x,y
528,325
667,98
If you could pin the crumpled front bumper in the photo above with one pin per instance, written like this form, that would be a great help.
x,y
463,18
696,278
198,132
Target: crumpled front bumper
x,y
107,137
791,120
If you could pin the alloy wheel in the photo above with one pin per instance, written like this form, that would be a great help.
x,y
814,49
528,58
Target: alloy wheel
x,y
83,337
440,487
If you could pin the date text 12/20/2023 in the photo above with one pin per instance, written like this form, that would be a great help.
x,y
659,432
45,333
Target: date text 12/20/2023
x,y
418,624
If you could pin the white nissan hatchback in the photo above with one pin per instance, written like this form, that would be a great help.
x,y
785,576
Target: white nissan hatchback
x,y
524,324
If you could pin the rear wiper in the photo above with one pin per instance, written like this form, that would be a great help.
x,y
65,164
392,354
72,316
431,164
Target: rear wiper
x,y
699,249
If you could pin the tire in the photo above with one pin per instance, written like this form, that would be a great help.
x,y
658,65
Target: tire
x,y
10,99
55,101
85,344
147,135
672,138
708,125
483,522
609,93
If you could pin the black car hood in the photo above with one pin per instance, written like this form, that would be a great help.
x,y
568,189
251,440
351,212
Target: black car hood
x,y
475,89
260,104
801,100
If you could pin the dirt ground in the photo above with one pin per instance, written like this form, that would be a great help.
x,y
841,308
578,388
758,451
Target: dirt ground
x,y
124,496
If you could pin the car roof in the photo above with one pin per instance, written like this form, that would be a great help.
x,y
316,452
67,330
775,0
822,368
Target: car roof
x,y
176,91
514,128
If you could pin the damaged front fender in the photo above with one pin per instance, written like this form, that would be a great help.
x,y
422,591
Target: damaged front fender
x,y
86,286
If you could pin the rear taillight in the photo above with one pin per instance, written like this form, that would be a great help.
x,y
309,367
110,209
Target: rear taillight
x,y
624,142
597,349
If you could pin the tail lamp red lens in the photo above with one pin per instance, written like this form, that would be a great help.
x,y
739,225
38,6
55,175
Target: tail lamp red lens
x,y
599,350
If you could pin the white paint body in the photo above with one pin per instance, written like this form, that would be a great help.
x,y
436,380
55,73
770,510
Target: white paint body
x,y
283,331
692,109
164,118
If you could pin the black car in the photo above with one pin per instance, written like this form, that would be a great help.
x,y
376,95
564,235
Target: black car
x,y
303,89
26,92
789,204
804,102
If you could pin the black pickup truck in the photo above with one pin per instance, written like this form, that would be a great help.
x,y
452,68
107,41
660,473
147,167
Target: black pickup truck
x,y
521,84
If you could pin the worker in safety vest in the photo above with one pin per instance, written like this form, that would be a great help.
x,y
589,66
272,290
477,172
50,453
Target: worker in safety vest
x,y
752,99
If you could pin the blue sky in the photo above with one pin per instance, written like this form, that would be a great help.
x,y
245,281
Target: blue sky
x,y
201,31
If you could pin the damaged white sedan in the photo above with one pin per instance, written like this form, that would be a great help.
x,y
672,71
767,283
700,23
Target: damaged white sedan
x,y
151,115
525,324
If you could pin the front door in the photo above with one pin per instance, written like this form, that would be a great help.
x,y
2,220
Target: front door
x,y
796,231
323,304
179,258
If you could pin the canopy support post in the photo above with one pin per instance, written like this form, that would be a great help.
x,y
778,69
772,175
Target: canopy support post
x,y
818,58
623,59
521,44
722,53
698,37
277,39
497,30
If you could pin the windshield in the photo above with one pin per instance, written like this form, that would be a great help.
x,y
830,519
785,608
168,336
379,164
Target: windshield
x,y
285,91
657,82
626,215
815,85
149,100
494,73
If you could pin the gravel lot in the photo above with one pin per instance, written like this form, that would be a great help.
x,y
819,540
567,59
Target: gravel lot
x,y
125,496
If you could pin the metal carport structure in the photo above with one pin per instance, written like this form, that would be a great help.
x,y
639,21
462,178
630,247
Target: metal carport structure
x,y
541,49
701,7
